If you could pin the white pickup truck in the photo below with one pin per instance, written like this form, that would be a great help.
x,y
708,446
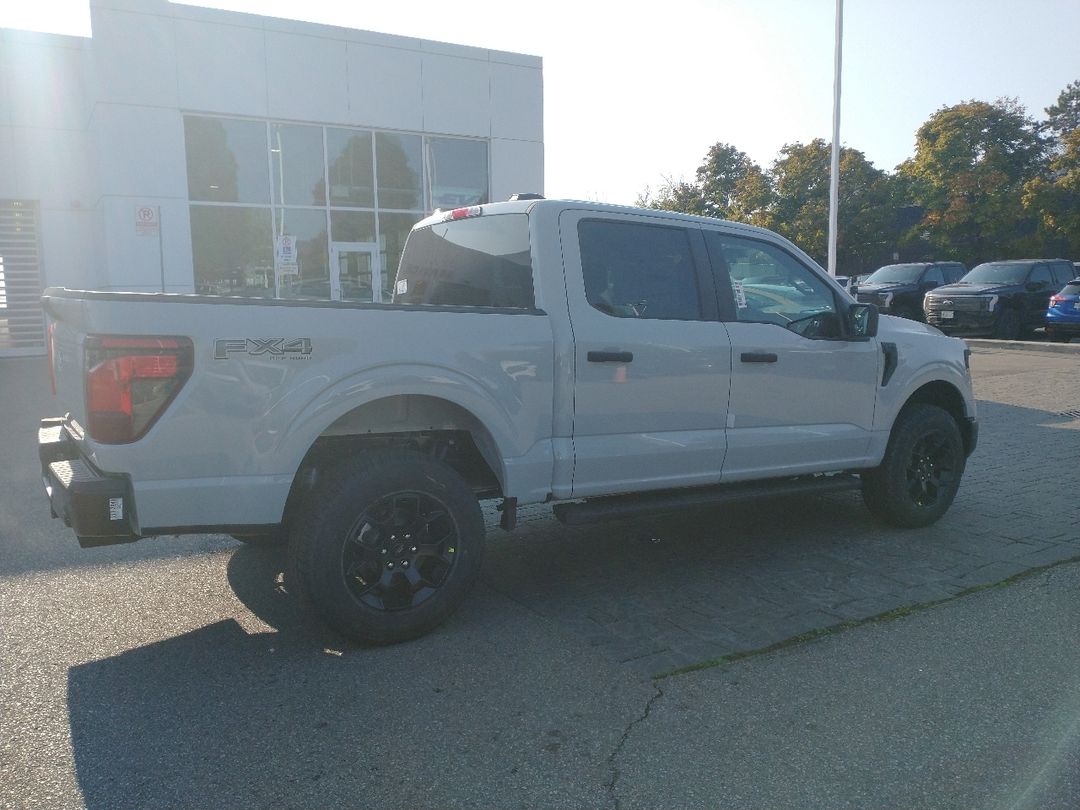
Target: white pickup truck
x,y
611,360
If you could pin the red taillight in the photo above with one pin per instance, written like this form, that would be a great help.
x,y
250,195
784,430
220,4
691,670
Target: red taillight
x,y
130,381
1057,299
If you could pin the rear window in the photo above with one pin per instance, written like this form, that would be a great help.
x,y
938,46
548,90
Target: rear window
x,y
482,261
1073,288
1064,272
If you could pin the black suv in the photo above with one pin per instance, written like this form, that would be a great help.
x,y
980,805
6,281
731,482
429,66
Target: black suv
x,y
898,289
1002,299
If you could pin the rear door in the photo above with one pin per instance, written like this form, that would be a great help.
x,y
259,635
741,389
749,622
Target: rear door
x,y
802,396
652,362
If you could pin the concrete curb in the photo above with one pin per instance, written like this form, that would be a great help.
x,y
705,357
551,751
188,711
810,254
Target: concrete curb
x,y
1024,345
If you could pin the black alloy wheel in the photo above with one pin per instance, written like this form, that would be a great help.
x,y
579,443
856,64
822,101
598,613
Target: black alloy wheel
x,y
916,482
386,546
399,551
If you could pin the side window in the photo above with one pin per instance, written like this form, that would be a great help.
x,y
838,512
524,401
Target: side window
x,y
1064,272
771,286
1040,275
934,274
632,270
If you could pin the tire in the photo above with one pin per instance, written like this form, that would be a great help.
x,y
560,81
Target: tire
x,y
1008,326
920,474
354,555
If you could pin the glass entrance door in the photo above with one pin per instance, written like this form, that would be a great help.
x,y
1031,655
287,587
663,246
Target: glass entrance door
x,y
354,272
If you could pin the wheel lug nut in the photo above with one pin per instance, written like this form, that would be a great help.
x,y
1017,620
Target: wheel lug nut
x,y
404,563
390,565
413,549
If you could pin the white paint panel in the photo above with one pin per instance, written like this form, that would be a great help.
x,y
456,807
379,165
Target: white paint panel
x,y
306,78
517,102
516,166
385,87
221,68
135,56
141,151
457,96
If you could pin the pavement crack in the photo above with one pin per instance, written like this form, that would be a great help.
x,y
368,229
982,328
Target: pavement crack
x,y
613,780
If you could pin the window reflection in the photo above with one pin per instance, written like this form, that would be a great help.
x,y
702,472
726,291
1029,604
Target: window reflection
x,y
226,160
352,180
400,162
352,226
232,250
459,172
311,278
296,158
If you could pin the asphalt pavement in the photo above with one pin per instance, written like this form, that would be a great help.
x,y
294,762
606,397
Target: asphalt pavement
x,y
727,659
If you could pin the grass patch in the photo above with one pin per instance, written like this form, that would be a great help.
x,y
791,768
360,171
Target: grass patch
x,y
880,618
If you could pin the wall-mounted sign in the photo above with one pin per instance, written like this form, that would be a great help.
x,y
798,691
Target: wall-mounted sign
x,y
147,221
285,255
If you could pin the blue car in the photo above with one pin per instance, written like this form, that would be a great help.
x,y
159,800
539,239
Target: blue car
x,y
1063,314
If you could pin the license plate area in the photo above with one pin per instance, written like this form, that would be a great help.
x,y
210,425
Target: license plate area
x,y
947,314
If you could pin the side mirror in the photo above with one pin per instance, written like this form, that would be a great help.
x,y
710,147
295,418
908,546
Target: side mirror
x,y
862,320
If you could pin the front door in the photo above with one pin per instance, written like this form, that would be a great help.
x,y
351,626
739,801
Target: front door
x,y
802,396
354,272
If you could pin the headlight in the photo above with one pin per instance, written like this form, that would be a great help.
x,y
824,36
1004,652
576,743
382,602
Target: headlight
x,y
991,302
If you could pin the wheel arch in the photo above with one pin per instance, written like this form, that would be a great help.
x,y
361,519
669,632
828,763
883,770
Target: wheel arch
x,y
946,396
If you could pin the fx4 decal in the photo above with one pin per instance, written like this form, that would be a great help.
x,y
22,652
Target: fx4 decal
x,y
277,348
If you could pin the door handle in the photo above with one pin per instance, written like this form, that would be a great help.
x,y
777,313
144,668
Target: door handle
x,y
610,357
758,357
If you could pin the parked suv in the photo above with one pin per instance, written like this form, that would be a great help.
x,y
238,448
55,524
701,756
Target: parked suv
x,y
898,289
1001,299
1063,315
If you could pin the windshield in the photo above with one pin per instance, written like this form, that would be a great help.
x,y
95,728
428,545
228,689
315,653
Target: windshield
x,y
894,273
997,272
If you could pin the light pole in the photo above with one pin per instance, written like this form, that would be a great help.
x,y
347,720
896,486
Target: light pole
x,y
834,172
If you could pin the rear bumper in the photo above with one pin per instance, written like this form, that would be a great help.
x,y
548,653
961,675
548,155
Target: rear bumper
x,y
99,508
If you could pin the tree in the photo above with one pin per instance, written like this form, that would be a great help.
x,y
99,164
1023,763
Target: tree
x,y
971,163
1063,116
728,185
865,215
1055,199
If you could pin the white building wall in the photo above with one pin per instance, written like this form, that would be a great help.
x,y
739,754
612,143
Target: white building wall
x,y
93,128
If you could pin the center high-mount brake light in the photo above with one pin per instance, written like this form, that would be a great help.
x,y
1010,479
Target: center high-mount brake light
x,y
130,381
463,213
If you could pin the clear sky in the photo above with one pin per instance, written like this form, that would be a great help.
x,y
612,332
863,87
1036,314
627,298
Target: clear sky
x,y
635,92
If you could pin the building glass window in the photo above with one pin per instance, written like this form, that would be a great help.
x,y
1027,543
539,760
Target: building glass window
x,y
352,177
251,183
458,172
401,170
232,247
226,160
311,278
352,226
296,159
393,230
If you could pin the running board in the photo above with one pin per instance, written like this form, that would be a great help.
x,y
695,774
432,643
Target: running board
x,y
626,506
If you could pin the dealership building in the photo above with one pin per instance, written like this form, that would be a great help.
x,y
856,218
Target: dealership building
x,y
190,150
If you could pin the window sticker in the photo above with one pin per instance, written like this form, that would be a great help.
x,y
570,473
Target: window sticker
x,y
740,293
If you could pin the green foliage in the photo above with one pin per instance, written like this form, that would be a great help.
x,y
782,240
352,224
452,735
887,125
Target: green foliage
x,y
986,181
